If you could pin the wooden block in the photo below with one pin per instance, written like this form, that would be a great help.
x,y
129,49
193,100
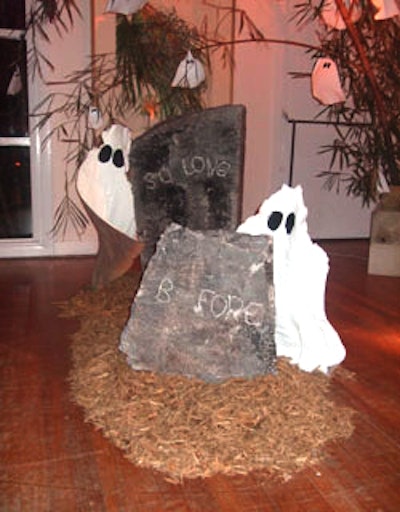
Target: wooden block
x,y
384,249
384,259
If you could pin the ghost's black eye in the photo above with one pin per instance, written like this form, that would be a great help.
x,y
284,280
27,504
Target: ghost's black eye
x,y
327,65
274,220
118,158
105,153
291,219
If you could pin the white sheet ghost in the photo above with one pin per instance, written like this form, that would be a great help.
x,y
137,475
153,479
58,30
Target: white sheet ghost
x,y
325,82
386,9
103,184
190,73
332,17
302,331
15,84
124,6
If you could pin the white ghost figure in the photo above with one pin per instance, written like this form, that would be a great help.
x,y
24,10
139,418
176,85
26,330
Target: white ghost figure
x,y
15,84
302,330
124,6
190,73
325,82
332,17
386,9
95,118
103,184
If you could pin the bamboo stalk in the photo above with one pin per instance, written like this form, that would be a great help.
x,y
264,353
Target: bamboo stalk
x,y
380,105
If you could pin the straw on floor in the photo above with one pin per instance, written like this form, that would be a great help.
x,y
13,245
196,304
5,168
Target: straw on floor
x,y
188,428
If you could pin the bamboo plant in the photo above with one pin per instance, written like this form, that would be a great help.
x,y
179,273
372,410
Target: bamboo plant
x,y
367,53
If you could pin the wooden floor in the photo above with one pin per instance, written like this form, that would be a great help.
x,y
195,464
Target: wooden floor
x,y
51,461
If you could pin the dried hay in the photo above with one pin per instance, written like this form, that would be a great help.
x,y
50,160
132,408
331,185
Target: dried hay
x,y
188,428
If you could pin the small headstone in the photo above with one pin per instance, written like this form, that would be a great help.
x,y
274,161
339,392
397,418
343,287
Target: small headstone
x,y
188,170
384,246
205,307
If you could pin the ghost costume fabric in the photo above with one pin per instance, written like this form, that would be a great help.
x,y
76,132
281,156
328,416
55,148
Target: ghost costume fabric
x,y
386,9
325,82
302,330
190,73
103,184
124,6
332,17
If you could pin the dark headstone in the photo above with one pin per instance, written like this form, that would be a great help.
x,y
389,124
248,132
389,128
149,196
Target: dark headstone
x,y
188,170
205,307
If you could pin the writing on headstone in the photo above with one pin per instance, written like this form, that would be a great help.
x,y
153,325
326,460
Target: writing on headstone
x,y
205,307
189,170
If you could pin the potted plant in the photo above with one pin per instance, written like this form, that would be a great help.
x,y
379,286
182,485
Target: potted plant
x,y
366,51
362,37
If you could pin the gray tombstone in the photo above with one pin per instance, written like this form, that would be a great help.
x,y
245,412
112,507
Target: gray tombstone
x,y
205,307
189,170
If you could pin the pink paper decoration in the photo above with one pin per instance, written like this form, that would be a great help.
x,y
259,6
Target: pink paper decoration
x,y
190,73
325,82
386,9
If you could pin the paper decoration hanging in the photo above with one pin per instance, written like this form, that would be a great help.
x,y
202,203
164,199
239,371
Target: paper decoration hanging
x,y
103,184
386,9
190,73
95,118
332,17
302,331
124,6
325,82
15,84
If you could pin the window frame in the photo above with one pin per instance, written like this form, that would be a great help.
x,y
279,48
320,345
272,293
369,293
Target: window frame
x,y
40,244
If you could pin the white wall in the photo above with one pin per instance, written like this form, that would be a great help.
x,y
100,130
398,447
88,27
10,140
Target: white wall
x,y
69,53
332,214
258,84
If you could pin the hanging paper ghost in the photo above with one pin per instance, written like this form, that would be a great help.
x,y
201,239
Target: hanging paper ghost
x,y
325,82
190,73
103,184
302,330
124,6
386,9
332,17
95,119
15,84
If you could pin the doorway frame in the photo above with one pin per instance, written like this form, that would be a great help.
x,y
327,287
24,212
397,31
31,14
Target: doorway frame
x,y
40,243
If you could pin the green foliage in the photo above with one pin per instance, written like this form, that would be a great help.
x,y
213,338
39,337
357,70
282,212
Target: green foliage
x,y
135,80
59,14
149,49
368,140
